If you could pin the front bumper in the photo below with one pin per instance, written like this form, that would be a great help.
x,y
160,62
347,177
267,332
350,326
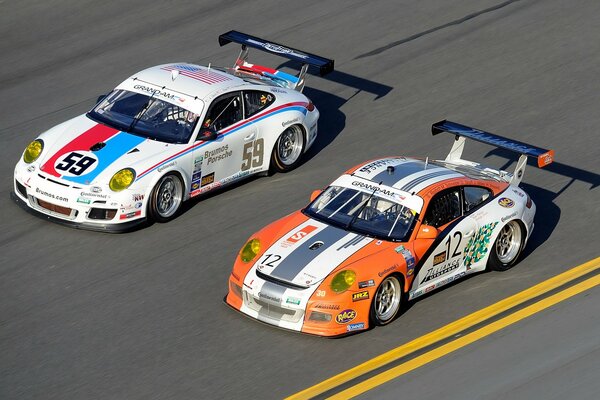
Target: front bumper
x,y
296,309
77,206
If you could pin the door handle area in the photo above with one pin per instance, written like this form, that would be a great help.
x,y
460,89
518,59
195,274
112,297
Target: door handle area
x,y
250,136
470,233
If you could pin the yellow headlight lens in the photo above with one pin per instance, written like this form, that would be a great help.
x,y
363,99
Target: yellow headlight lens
x,y
250,250
343,280
33,151
122,180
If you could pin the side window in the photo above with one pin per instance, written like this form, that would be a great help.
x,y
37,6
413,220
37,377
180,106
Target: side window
x,y
224,111
443,208
255,101
474,196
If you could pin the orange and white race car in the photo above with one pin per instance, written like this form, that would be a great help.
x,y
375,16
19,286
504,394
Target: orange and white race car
x,y
385,232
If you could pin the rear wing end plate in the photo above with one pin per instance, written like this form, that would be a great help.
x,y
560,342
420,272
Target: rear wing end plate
x,y
543,156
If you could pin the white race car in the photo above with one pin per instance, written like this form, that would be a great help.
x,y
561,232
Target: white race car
x,y
169,133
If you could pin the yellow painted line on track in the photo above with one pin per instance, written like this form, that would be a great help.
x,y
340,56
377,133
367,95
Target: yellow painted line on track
x,y
448,330
466,340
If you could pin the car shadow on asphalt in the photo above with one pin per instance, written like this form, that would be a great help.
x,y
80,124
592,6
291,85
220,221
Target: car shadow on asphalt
x,y
547,212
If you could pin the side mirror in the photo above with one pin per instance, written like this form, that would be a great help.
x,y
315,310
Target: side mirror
x,y
206,134
315,194
427,232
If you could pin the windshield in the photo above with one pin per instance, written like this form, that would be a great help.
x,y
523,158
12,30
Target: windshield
x,y
363,212
145,116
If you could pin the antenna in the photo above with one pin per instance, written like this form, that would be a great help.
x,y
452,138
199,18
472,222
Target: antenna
x,y
208,72
174,74
426,162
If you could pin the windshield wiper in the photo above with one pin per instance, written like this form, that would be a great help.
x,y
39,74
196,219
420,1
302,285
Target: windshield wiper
x,y
355,216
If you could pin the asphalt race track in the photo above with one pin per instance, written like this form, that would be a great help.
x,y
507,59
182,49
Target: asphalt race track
x,y
87,315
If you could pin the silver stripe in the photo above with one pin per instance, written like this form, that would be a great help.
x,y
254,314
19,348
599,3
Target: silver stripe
x,y
401,171
437,179
416,175
292,265
422,179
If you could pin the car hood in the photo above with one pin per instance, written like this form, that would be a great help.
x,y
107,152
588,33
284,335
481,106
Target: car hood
x,y
306,254
105,150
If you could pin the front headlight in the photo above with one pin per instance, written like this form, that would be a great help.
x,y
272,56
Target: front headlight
x,y
33,151
343,280
122,179
250,250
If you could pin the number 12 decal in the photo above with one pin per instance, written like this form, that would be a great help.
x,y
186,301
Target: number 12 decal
x,y
456,251
273,259
252,155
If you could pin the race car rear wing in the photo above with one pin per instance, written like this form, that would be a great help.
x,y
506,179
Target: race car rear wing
x,y
325,65
544,157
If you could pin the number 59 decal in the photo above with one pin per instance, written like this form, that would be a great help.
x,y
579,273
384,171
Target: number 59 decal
x,y
252,155
76,163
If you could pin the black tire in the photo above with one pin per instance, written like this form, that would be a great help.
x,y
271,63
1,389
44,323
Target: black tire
x,y
507,247
288,149
388,300
166,198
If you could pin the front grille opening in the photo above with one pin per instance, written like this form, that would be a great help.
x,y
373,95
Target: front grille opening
x,y
21,189
279,281
102,213
54,207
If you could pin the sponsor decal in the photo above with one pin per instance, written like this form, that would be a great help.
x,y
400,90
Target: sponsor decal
x,y
345,316
138,204
95,189
158,93
196,176
379,163
84,201
217,154
51,195
325,306
506,202
95,195
278,90
439,258
504,219
235,177
269,297
545,159
207,179
410,260
387,270
429,289
366,284
478,244
364,295
355,327
375,188
137,197
399,249
309,278
296,236
321,293
293,300
276,48
518,193
290,122
198,165
378,243
195,185
167,165
130,215
441,270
